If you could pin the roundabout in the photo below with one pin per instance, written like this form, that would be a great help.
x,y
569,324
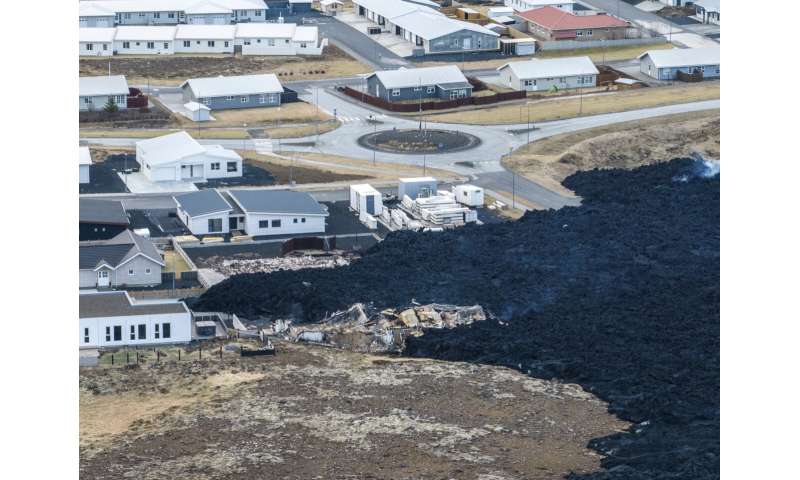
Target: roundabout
x,y
419,141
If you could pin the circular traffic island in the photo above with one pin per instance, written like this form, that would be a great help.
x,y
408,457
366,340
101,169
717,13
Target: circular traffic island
x,y
416,141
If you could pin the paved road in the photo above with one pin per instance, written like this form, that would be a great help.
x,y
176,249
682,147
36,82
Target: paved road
x,y
356,43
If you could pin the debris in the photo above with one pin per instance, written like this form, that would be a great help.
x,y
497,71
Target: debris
x,y
229,266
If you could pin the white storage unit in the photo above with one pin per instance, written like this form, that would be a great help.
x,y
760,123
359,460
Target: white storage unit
x,y
198,112
84,162
469,195
417,187
365,199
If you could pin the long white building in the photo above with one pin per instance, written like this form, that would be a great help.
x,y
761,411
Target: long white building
x,y
108,13
537,75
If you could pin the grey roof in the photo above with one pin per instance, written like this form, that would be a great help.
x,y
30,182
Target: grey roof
x,y
683,57
119,304
277,201
202,202
116,251
234,85
102,211
412,77
454,85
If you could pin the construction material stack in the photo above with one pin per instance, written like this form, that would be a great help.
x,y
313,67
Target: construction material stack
x,y
440,210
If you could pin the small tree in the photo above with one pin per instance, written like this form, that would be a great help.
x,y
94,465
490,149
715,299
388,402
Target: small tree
x,y
111,106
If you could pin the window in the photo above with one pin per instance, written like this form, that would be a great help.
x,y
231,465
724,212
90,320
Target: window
x,y
171,15
156,14
286,41
138,43
230,98
131,272
263,224
588,33
165,327
271,42
187,43
258,40
85,335
151,45
303,45
276,224
204,101
142,331
126,44
89,46
417,89
117,333
128,16
108,334
156,333
303,220
215,166
211,43
395,93
226,43
141,15
294,220
166,45
431,89
133,332
214,224
247,42
232,167
579,33
197,42
147,271
245,99
105,46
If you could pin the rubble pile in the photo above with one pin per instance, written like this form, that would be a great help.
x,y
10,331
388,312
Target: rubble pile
x,y
619,295
292,261
382,331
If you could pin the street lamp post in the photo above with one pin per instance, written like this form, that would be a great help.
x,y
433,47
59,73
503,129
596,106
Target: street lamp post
x,y
513,181
244,139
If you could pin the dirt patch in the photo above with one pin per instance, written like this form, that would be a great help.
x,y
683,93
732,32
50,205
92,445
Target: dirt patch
x,y
320,413
624,145
283,173
174,69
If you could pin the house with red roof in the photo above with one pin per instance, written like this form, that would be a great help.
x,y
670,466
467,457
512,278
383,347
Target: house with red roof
x,y
549,23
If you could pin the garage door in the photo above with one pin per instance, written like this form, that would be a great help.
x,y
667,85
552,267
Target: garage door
x,y
163,174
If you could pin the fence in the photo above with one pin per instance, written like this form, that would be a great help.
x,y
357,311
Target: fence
x,y
575,44
289,96
148,356
429,105
308,243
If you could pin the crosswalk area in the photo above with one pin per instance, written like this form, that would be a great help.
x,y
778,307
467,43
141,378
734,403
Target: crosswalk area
x,y
359,119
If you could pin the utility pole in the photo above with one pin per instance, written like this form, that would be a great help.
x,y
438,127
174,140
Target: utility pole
x,y
420,102
513,181
317,122
529,123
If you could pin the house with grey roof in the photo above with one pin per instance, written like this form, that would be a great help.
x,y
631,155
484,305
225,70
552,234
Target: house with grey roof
x,y
445,83
665,64
101,219
241,91
124,260
277,212
537,75
95,92
205,212
114,319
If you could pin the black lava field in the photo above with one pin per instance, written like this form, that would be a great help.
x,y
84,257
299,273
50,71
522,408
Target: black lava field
x,y
620,295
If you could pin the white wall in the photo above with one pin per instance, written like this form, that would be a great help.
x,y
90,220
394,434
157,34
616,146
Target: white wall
x,y
84,174
266,46
199,225
313,224
511,80
180,329
202,46
95,49
140,47
98,102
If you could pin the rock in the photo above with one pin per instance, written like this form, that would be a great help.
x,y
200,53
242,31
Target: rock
x,y
409,318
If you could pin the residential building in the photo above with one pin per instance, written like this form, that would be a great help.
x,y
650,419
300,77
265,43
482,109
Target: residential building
x,y
445,83
331,7
707,11
84,163
114,319
144,40
179,157
243,91
101,219
428,30
549,24
537,75
205,38
278,39
525,5
126,260
96,42
98,13
205,212
94,93
297,7
665,64
276,212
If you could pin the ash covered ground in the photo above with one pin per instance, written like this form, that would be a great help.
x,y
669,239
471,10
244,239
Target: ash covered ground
x,y
620,295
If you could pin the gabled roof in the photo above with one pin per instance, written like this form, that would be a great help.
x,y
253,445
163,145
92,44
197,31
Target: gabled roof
x,y
202,202
169,148
102,85
276,202
145,33
389,9
681,57
411,77
205,32
117,251
120,304
110,212
430,25
207,6
709,5
554,67
84,157
305,34
553,18
94,9
235,85
96,34
194,106
265,30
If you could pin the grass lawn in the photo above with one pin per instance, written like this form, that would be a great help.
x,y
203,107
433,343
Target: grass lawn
x,y
175,263
134,133
545,110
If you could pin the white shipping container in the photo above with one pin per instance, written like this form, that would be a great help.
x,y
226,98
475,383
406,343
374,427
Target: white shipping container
x,y
417,187
469,195
365,198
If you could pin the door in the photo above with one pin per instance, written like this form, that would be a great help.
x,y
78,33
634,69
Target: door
x,y
233,223
102,278
370,204
467,43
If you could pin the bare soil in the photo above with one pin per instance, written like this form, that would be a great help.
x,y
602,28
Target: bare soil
x,y
322,413
623,145
298,174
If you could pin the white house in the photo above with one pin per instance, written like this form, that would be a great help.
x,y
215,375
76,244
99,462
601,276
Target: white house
x,y
276,212
140,40
525,5
114,319
707,11
205,38
95,15
542,75
665,64
331,7
84,162
365,198
178,156
278,39
95,92
107,13
204,212
97,42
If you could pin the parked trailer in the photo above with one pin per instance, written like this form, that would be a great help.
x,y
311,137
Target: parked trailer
x,y
366,199
469,195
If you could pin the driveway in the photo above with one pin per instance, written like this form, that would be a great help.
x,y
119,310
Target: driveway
x,y
356,43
